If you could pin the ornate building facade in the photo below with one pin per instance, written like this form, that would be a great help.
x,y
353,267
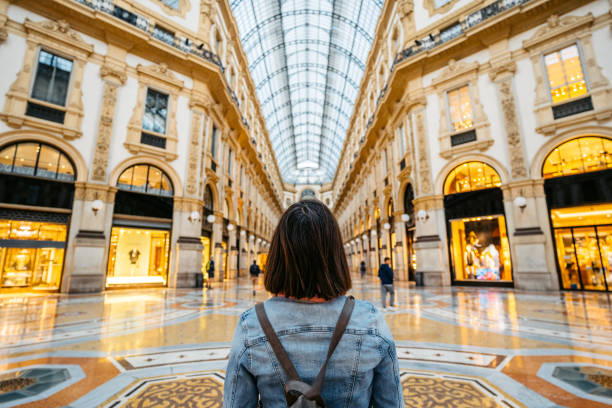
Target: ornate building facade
x,y
133,149
480,150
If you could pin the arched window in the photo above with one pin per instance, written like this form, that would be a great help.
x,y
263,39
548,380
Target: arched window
x,y
36,159
471,176
146,178
390,209
209,205
581,155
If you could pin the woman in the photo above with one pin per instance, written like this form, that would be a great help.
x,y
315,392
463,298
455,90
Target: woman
x,y
308,275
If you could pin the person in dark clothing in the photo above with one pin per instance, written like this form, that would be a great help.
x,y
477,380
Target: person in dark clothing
x,y
362,269
385,273
211,273
254,271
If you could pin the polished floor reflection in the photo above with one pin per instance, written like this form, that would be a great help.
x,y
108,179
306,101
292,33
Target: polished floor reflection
x,y
459,347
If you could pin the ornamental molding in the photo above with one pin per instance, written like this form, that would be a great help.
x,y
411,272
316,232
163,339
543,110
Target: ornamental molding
x,y
455,71
557,26
430,6
113,74
105,131
159,73
61,32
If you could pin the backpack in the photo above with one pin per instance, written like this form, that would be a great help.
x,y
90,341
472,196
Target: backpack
x,y
297,393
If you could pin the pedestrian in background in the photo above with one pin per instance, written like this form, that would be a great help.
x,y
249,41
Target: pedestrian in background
x,y
385,273
254,271
210,269
362,269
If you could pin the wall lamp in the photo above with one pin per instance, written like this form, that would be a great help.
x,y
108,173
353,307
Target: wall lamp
x,y
96,206
422,215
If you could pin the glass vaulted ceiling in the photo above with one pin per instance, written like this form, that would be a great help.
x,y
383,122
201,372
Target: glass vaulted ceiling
x,y
307,58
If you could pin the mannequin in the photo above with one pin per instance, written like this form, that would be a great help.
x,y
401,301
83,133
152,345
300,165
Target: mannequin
x,y
472,259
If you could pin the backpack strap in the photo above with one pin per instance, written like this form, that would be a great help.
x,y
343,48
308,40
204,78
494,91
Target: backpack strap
x,y
315,391
277,347
343,321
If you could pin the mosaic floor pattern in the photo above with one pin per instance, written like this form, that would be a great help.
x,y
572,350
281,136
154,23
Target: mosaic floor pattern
x,y
457,347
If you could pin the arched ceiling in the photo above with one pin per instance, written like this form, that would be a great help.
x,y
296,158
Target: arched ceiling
x,y
307,58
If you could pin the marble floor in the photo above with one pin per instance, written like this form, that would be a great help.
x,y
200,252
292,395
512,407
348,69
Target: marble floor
x,y
458,347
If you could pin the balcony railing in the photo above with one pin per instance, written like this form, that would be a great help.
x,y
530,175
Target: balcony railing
x,y
142,23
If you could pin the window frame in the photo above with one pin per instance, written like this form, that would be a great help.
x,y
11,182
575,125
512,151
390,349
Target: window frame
x,y
35,168
448,108
583,67
166,119
35,73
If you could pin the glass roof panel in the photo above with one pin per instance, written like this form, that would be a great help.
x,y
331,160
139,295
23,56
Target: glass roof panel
x,y
307,58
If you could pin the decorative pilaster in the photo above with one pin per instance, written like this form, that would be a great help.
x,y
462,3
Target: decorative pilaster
x,y
503,79
191,185
425,187
113,79
3,20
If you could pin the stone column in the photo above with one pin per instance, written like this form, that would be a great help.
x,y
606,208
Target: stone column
x,y
187,256
88,242
430,243
530,236
244,261
232,255
400,256
374,252
217,238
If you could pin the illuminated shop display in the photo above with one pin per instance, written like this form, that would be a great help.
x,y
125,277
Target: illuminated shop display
x,y
31,254
140,238
581,221
138,256
206,252
479,248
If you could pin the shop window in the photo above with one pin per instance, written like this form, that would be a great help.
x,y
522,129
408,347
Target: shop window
x,y
580,155
460,108
138,256
480,249
145,178
565,75
31,254
36,159
50,87
471,176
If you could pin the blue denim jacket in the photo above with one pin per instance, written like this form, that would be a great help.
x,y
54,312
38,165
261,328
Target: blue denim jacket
x,y
362,372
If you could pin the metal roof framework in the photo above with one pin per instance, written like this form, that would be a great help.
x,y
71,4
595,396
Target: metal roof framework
x,y
307,58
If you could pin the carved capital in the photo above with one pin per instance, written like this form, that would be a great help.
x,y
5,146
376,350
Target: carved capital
x,y
112,74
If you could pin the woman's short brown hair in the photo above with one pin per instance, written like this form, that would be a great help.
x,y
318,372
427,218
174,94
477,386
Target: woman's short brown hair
x,y
306,257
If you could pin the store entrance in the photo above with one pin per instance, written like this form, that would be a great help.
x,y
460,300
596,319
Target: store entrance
x,y
138,257
583,240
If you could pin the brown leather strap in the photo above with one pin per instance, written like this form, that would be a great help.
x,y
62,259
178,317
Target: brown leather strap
x,y
343,321
277,347
282,356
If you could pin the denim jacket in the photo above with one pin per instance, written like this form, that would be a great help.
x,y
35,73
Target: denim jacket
x,y
362,372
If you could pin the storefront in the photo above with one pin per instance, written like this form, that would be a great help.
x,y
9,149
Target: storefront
x,y
207,230
410,227
140,237
33,242
578,185
479,250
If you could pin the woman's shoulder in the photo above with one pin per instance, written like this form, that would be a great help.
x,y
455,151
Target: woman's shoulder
x,y
286,314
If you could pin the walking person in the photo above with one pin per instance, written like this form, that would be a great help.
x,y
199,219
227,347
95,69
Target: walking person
x,y
385,273
362,269
310,345
210,269
254,271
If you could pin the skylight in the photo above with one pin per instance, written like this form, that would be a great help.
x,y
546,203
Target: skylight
x,y
307,58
